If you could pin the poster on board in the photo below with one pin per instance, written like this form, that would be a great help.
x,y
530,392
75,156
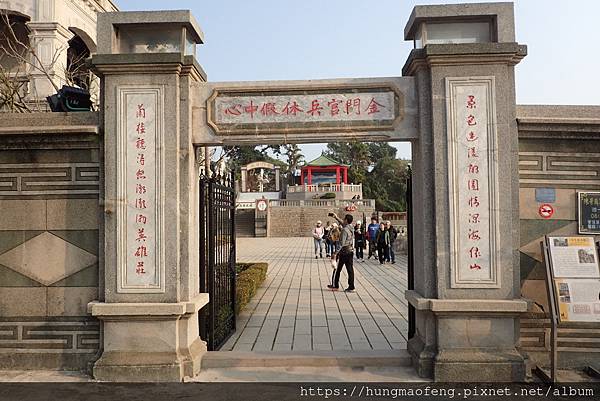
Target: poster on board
x,y
574,257
578,299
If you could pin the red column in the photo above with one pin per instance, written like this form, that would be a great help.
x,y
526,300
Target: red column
x,y
337,175
301,177
310,176
345,175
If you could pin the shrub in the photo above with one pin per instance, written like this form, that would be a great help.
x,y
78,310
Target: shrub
x,y
328,195
249,277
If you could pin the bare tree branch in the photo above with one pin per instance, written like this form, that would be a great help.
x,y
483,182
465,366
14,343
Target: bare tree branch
x,y
25,55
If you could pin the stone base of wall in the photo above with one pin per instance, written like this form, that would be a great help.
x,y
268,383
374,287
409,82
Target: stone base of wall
x,y
69,343
47,361
299,221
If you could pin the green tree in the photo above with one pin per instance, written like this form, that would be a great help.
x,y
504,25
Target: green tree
x,y
356,154
293,157
240,155
374,165
381,150
386,183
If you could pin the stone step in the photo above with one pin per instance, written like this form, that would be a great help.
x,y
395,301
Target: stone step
x,y
331,374
230,359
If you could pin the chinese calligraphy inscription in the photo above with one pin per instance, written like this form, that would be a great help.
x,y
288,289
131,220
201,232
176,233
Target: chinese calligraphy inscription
x,y
472,182
140,216
233,111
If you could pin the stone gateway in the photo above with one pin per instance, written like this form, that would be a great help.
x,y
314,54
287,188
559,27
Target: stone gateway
x,y
132,298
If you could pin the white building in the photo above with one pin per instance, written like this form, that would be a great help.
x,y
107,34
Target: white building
x,y
61,34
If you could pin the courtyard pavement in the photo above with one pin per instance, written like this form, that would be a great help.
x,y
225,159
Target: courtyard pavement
x,y
294,311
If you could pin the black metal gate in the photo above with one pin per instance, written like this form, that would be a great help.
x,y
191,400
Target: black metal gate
x,y
217,259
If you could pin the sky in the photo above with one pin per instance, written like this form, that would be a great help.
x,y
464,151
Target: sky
x,y
313,39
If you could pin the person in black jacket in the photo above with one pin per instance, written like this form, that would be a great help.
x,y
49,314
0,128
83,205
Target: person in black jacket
x,y
359,240
383,243
391,256
327,238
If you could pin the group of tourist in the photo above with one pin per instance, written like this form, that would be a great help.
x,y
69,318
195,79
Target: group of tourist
x,y
378,238
342,239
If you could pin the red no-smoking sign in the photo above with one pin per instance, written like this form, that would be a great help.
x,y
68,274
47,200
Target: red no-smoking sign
x,y
546,210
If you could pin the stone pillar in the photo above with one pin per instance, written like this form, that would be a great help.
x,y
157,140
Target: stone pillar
x,y
151,299
465,195
49,40
277,183
244,174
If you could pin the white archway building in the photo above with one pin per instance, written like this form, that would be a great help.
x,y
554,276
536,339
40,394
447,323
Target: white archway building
x,y
51,25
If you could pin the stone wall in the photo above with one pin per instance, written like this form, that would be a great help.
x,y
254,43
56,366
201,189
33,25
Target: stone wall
x,y
559,148
49,234
298,221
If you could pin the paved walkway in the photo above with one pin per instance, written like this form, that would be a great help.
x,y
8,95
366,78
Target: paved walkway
x,y
294,311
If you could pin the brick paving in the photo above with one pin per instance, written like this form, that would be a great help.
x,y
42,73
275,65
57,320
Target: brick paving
x,y
294,311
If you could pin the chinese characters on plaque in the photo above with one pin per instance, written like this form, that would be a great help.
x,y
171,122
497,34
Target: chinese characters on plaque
x,y
365,108
588,208
473,183
141,259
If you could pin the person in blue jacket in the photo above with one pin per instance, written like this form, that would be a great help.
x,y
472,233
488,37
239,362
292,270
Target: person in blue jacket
x,y
372,230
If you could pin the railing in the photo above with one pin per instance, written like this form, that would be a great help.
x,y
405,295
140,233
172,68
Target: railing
x,y
322,202
325,188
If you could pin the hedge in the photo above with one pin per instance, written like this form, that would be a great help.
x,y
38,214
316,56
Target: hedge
x,y
249,277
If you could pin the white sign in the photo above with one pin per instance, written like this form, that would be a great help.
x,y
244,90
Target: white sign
x,y
574,257
472,155
262,205
139,162
578,300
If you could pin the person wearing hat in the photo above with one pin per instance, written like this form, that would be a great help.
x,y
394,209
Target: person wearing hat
x,y
359,240
317,234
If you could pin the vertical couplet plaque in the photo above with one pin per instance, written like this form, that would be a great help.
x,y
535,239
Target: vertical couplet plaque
x,y
140,250
473,184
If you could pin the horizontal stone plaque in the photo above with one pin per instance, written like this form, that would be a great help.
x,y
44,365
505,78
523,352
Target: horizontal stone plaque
x,y
309,109
472,174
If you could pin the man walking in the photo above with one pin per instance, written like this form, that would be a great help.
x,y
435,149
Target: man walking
x,y
346,255
317,234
